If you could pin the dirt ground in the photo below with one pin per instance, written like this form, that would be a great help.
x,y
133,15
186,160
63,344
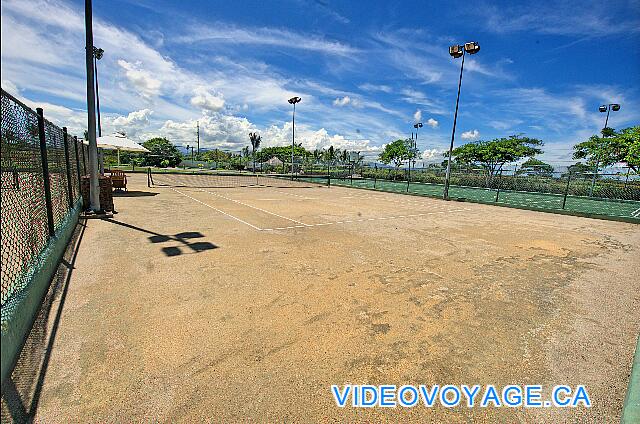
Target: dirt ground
x,y
249,303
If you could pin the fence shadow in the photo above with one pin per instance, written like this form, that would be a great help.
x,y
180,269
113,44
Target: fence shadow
x,y
21,396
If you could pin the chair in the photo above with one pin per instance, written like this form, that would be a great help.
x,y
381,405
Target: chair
x,y
119,180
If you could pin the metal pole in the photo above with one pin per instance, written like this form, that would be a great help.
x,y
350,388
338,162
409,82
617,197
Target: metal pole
x,y
45,172
94,189
95,64
445,194
65,138
198,133
566,191
595,171
293,139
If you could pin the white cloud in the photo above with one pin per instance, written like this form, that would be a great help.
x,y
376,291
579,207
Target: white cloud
x,y
471,135
431,154
432,123
342,101
132,124
221,33
375,87
417,117
206,100
141,79
10,87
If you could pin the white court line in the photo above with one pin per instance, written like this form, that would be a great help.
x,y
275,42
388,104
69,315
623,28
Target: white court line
x,y
256,208
636,213
382,218
296,195
218,210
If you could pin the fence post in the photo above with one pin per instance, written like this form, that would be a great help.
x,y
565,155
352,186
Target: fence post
x,y
499,184
84,161
626,180
566,191
351,169
45,172
375,175
328,174
65,137
149,177
515,178
75,143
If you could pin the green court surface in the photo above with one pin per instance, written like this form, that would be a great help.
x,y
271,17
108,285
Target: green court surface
x,y
626,210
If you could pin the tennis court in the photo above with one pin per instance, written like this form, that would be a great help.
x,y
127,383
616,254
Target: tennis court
x,y
603,208
248,302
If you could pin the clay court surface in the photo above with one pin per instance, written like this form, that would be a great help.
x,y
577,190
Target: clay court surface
x,y
249,303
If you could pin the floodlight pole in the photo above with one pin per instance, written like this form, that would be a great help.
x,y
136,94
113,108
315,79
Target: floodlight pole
x,y
445,194
293,138
414,147
608,108
293,101
198,134
94,185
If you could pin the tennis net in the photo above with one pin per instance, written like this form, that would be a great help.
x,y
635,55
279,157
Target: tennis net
x,y
208,179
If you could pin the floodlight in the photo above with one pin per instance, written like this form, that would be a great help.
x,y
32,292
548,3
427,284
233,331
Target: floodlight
x,y
602,108
97,52
456,51
294,100
418,125
615,107
472,47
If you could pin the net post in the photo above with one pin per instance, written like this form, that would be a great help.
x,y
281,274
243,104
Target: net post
x,y
75,143
566,191
65,138
351,173
149,177
45,172
328,174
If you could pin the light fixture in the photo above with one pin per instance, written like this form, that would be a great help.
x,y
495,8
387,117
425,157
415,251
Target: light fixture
x,y
602,108
456,51
472,47
294,100
98,53
615,107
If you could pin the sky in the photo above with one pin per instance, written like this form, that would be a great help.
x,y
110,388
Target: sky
x,y
366,71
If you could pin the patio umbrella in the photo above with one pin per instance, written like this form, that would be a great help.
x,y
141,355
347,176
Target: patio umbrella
x,y
118,141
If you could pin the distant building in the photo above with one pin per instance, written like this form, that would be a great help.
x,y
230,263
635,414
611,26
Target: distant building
x,y
275,162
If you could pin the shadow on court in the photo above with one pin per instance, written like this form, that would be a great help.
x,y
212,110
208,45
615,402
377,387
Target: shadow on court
x,y
133,193
186,245
22,392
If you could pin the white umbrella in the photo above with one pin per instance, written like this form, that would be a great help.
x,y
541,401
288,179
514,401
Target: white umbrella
x,y
118,141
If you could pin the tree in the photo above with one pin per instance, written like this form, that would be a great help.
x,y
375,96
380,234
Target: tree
x,y
535,166
613,147
396,152
492,155
162,150
255,140
578,168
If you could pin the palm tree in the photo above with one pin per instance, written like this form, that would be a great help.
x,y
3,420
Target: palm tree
x,y
344,156
255,145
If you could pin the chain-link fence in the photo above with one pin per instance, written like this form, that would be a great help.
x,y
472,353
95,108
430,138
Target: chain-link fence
x,y
607,194
41,168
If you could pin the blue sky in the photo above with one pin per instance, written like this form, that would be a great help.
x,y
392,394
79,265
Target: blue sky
x,y
365,70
